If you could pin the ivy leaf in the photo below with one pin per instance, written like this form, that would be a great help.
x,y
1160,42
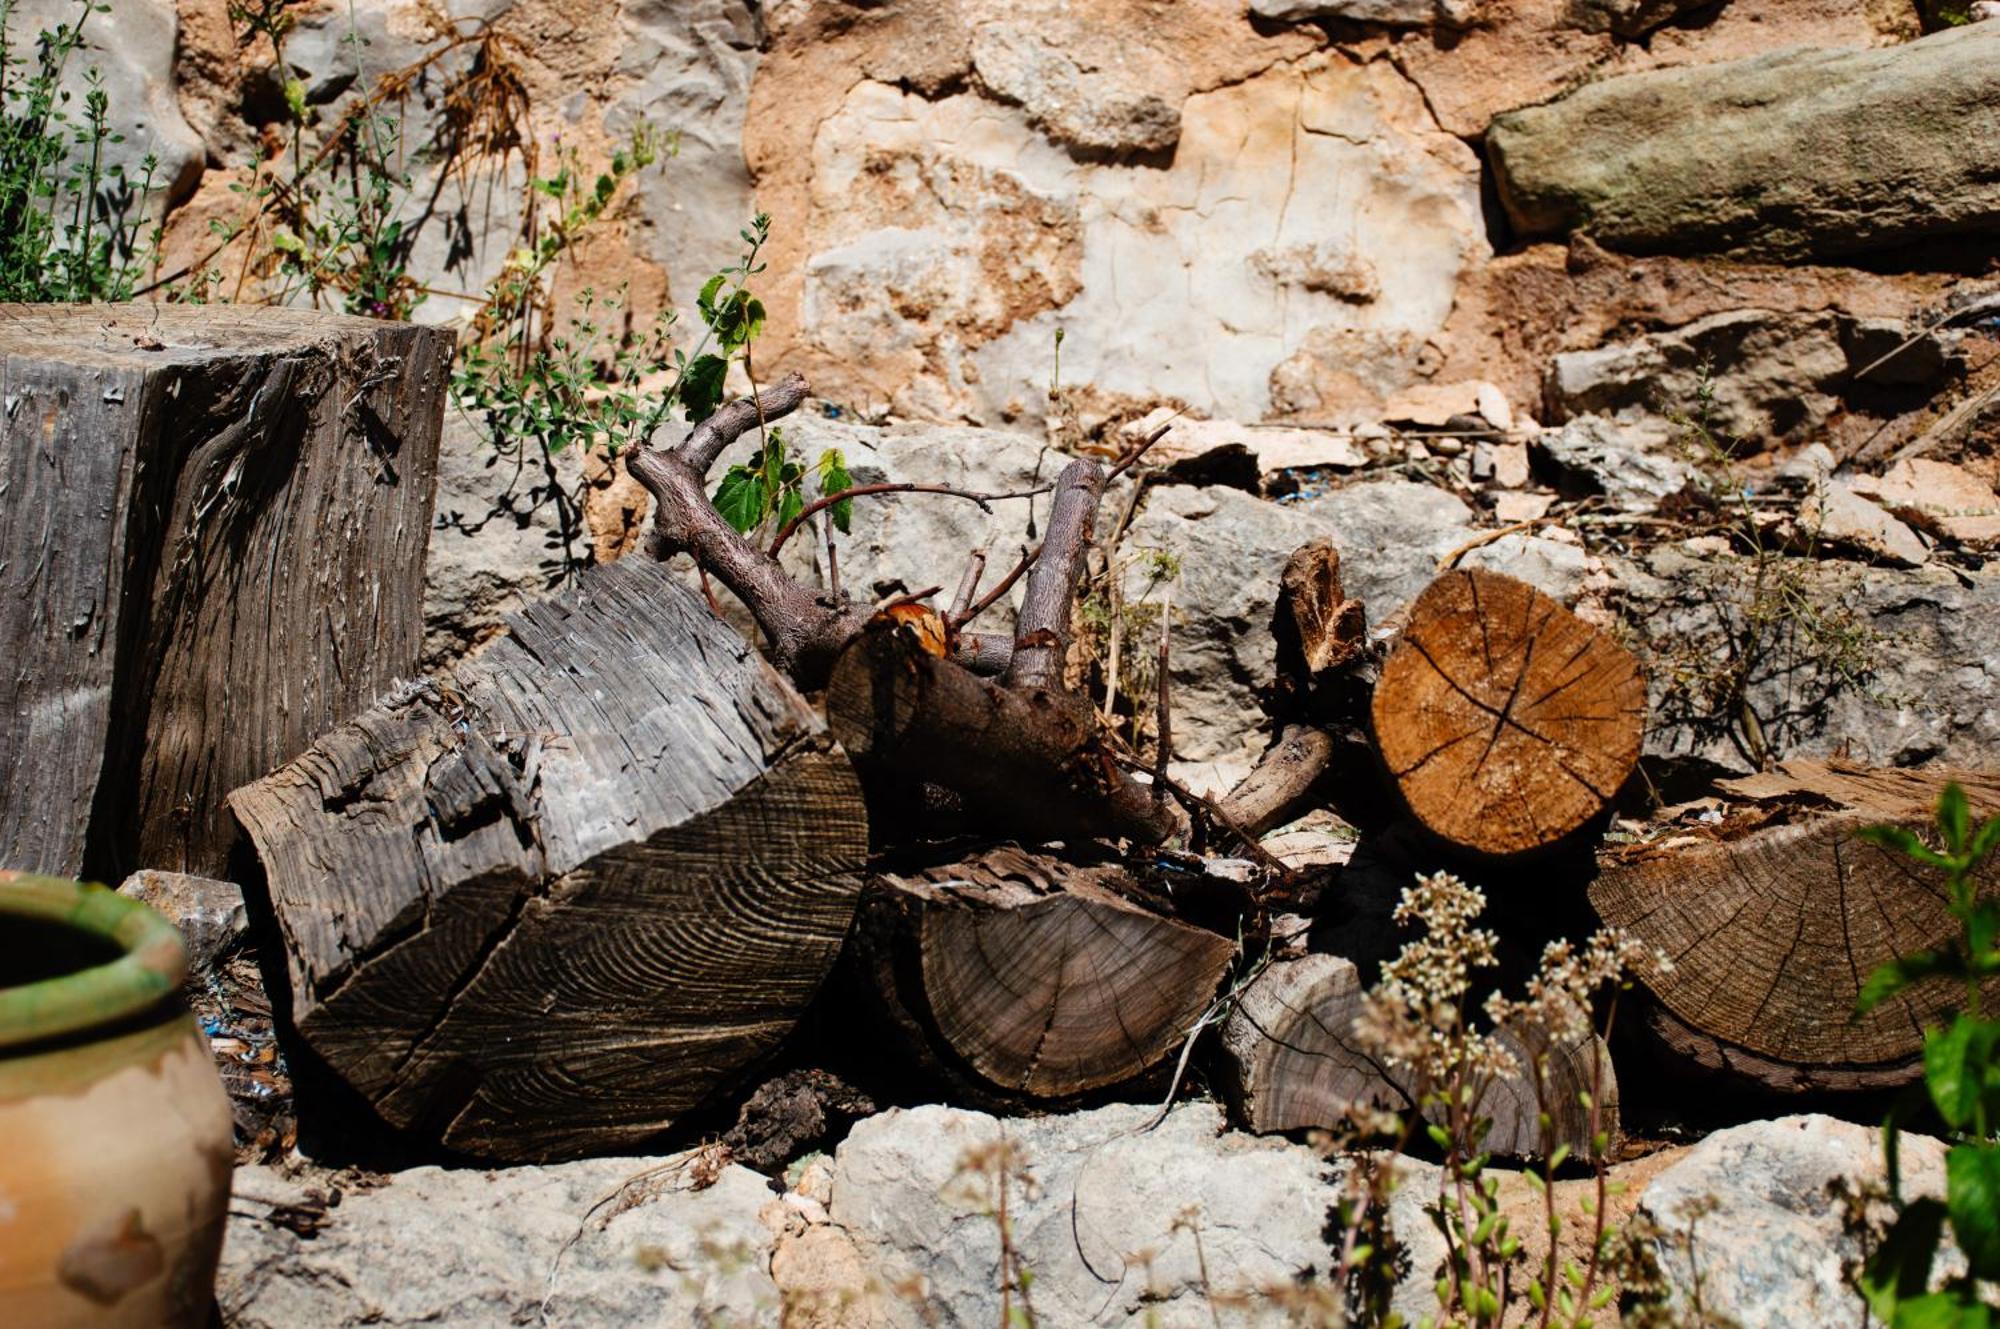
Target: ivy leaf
x,y
701,386
1972,1185
741,499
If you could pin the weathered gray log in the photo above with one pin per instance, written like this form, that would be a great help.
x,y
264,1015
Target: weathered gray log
x,y
211,549
1032,976
548,905
1773,934
1290,1061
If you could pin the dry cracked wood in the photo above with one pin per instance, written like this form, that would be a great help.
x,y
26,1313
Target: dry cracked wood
x,y
547,906
1506,721
1772,936
1023,975
1291,1062
213,542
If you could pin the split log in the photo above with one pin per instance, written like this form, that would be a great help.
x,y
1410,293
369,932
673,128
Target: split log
x,y
213,550
1772,936
1290,1062
547,906
1506,721
1018,974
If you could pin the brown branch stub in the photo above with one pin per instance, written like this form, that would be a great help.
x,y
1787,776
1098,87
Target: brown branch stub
x,y
1042,631
707,440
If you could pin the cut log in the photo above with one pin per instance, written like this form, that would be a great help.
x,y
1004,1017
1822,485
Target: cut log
x,y
213,550
1772,937
1506,721
1022,761
547,906
1024,975
1290,1062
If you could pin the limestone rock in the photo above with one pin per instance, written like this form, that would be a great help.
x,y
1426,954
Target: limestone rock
x,y
1597,455
1900,667
1628,18
1766,376
1108,1224
209,913
1841,517
131,46
1274,447
467,1246
1399,13
1745,1221
1939,497
1109,100
1795,154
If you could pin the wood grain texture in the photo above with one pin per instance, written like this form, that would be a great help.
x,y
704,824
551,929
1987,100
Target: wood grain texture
x,y
1290,1062
1043,977
214,546
546,906
1772,937
1506,721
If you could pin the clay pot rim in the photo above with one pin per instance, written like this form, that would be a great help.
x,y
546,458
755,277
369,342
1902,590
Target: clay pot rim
x,y
150,967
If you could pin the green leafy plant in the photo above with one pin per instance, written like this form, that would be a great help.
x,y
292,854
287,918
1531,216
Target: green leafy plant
x,y
1961,1083
71,225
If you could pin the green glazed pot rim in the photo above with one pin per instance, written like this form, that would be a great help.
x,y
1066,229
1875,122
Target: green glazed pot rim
x,y
151,964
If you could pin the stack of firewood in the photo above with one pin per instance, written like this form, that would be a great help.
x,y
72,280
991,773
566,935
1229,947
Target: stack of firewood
x,y
584,887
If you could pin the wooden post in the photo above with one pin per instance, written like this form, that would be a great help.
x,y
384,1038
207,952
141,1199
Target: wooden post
x,y
546,906
211,549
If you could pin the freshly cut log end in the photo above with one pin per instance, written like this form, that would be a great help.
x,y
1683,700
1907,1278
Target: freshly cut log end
x,y
1506,721
213,541
1772,937
1043,978
1291,1062
548,905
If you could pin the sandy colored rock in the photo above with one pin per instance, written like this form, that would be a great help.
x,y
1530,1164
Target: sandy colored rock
x,y
1938,496
1841,517
1805,153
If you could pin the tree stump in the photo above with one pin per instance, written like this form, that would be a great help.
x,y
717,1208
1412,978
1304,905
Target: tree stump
x,y
1772,936
547,906
213,549
1506,721
1023,975
1290,1062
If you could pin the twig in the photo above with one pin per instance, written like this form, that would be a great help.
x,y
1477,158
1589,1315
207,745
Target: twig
x,y
1131,459
1190,799
968,585
863,491
1450,561
906,598
1165,736
1042,633
1114,591
1000,588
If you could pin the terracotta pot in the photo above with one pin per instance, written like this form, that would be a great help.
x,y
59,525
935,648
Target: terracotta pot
x,y
115,1151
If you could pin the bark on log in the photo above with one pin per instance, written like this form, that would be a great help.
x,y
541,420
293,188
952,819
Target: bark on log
x,y
1772,936
1024,975
1506,721
1290,1062
213,545
546,906
1024,761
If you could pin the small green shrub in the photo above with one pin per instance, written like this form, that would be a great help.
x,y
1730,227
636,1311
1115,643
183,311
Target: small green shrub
x,y
72,227
1961,1083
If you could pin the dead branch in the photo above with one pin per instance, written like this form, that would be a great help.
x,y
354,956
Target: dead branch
x,y
1041,635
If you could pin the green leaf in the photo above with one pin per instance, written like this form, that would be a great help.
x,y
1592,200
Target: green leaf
x,y
1954,1308
833,478
1972,1189
790,504
1900,1268
1959,1067
1889,979
706,300
1904,842
741,499
1985,840
701,386
1954,816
